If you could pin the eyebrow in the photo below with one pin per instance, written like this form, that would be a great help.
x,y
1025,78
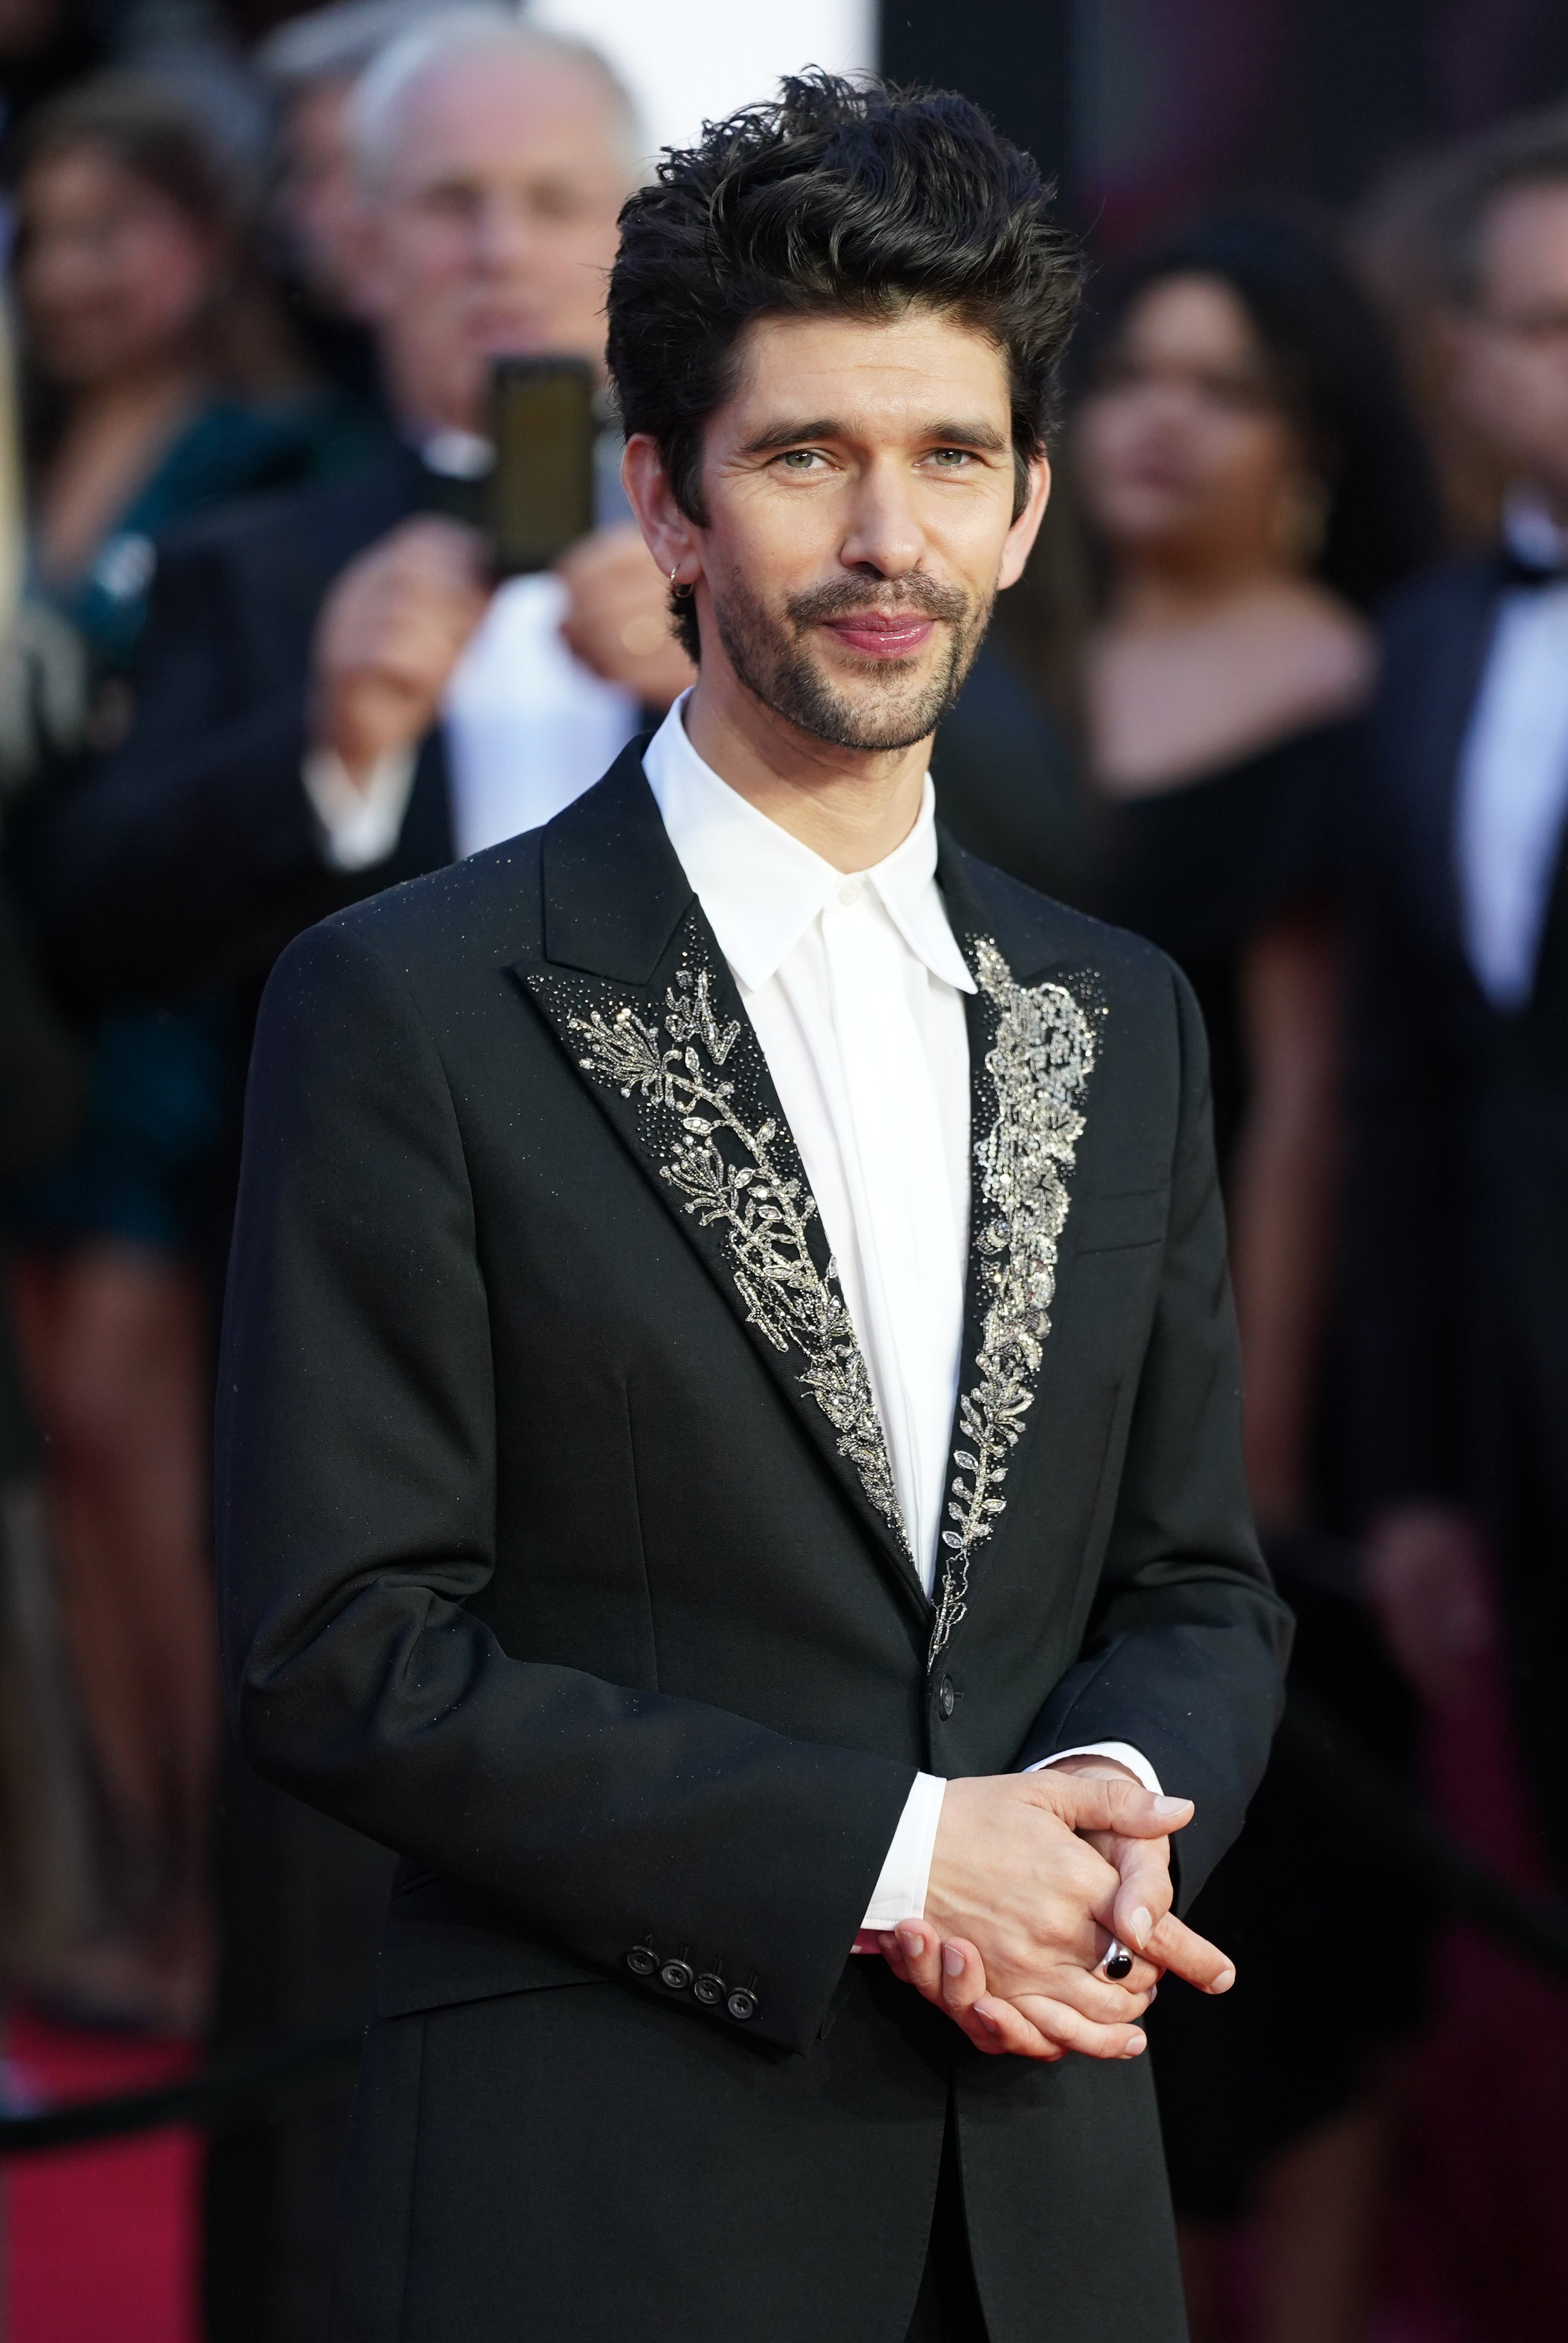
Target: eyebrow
x,y
983,436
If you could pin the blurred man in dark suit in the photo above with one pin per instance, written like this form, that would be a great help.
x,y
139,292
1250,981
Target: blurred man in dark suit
x,y
1461,1189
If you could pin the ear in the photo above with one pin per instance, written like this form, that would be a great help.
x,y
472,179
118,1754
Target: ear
x,y
1021,537
668,534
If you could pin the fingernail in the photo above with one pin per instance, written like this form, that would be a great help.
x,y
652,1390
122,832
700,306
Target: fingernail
x,y
986,2019
1171,1806
1143,1922
1135,2046
952,1960
911,1941
1223,1982
1153,1993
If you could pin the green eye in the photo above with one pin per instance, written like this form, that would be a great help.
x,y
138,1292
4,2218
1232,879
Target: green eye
x,y
801,458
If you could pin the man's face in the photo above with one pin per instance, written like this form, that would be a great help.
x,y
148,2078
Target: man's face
x,y
494,231
1510,351
859,487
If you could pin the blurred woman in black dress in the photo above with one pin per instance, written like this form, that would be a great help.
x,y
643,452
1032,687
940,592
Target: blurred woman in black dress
x,y
1239,483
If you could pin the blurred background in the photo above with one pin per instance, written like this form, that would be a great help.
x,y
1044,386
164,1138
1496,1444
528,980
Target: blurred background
x,y
1286,688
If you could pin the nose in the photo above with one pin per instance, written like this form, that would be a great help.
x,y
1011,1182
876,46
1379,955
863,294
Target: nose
x,y
884,535
503,236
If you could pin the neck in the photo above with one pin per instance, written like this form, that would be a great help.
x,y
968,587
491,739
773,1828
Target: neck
x,y
1149,596
152,392
851,806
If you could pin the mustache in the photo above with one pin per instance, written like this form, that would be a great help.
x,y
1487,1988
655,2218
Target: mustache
x,y
844,597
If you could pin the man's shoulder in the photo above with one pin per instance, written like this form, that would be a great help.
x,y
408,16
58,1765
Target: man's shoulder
x,y
479,914
1037,935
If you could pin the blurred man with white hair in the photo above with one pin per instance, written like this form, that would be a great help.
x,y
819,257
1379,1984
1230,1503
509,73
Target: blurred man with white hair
x,y
332,698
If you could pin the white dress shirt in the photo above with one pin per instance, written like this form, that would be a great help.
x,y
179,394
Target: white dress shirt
x,y
854,986
1512,798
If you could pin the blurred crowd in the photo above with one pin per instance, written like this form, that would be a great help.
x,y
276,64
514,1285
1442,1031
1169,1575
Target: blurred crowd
x,y
1286,690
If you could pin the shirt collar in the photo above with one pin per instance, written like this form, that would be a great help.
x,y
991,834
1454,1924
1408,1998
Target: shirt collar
x,y
1536,540
762,889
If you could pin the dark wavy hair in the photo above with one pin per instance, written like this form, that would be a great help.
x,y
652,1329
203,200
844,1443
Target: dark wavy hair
x,y
841,198
1333,371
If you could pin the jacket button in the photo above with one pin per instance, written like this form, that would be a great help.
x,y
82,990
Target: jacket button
x,y
742,2003
676,1974
709,1989
947,1699
642,1960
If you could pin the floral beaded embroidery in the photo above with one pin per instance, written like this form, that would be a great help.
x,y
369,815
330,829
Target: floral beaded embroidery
x,y
760,1204
1037,1065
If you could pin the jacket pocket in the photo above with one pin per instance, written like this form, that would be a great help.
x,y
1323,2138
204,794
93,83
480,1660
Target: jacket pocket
x,y
1109,1223
444,1944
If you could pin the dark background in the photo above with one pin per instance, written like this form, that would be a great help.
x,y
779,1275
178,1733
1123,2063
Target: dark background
x,y
1144,108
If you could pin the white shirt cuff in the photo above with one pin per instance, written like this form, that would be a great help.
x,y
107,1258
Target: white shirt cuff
x,y
901,1891
359,827
1122,1751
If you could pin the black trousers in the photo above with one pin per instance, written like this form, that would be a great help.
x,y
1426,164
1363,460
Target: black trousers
x,y
947,2308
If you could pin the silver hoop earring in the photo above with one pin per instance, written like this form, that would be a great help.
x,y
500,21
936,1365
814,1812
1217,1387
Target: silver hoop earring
x,y
679,592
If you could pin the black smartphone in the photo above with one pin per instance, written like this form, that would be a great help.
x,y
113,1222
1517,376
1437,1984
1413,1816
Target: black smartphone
x,y
540,494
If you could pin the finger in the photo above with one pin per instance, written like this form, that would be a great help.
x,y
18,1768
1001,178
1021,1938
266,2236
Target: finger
x,y
963,1984
1092,1993
998,2025
1144,1895
1187,1955
1066,2027
1091,1802
922,1955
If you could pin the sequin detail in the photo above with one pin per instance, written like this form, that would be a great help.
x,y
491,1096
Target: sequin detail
x,y
1037,1065
762,1204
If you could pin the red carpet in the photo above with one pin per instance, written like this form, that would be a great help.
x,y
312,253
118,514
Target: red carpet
x,y
100,2243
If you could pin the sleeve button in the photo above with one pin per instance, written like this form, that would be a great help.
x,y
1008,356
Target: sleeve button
x,y
742,2003
642,1960
709,1989
676,1974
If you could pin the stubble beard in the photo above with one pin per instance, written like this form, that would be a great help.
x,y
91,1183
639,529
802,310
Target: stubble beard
x,y
773,657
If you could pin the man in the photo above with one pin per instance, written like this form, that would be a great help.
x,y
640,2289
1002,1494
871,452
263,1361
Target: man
x,y
615,1246
329,697
1461,1194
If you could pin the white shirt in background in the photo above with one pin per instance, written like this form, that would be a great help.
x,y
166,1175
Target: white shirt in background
x,y
1512,798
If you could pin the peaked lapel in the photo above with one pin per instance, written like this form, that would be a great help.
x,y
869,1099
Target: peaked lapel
x,y
643,1003
1033,1049
1426,733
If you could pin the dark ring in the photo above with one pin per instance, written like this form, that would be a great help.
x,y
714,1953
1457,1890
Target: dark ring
x,y
1118,1961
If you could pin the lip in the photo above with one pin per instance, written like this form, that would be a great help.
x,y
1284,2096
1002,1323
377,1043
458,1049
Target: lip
x,y
869,635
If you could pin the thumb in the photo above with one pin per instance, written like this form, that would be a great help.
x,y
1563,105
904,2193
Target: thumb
x,y
1090,1802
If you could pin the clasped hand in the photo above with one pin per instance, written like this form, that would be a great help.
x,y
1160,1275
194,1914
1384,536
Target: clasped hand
x,y
1032,1874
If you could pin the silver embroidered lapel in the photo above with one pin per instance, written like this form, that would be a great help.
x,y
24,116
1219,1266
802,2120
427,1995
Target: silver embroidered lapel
x,y
759,1206
1038,1065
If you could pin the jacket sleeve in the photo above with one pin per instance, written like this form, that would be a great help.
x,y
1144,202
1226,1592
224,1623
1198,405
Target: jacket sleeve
x,y
356,1480
189,854
1186,1644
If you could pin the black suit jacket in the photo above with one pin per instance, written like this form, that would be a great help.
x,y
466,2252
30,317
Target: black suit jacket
x,y
557,1552
1459,1194
190,856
